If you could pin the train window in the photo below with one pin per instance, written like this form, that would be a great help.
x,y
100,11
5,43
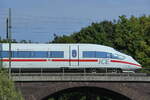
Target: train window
x,y
96,54
101,55
40,54
57,54
4,54
116,56
109,55
89,54
74,53
22,54
14,54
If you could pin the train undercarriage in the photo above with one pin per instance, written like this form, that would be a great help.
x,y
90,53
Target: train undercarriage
x,y
67,70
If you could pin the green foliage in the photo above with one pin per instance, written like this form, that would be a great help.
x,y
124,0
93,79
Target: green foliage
x,y
14,41
51,99
128,35
7,89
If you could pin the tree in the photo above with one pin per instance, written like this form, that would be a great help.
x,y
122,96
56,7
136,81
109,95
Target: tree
x,y
7,88
128,35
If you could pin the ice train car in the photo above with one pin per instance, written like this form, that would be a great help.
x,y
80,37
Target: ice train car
x,y
73,56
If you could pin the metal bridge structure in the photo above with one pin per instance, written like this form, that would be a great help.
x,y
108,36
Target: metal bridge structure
x,y
120,86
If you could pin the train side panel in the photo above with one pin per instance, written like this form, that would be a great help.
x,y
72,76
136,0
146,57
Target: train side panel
x,y
65,55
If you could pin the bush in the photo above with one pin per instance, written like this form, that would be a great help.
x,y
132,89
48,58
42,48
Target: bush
x,y
7,88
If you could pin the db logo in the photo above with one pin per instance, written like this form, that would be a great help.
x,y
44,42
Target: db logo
x,y
104,61
74,53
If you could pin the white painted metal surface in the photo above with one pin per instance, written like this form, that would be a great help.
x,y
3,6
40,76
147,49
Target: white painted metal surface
x,y
73,60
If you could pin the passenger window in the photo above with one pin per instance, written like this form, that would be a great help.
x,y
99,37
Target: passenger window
x,y
57,54
22,54
96,54
4,54
40,54
15,54
89,54
101,55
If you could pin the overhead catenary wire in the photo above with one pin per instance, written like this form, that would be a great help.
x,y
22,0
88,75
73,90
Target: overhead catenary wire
x,y
42,26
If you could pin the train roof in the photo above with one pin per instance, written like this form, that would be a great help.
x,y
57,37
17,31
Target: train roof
x,y
61,44
37,45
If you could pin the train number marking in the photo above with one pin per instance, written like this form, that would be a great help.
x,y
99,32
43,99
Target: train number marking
x,y
104,61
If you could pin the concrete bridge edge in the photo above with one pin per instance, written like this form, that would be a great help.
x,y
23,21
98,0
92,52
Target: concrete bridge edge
x,y
40,90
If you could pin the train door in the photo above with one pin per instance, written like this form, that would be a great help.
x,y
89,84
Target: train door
x,y
74,55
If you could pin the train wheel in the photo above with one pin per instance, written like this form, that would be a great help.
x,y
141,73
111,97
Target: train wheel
x,y
118,70
92,70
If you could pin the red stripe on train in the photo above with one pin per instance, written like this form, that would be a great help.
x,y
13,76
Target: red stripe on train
x,y
65,60
54,60
74,60
124,62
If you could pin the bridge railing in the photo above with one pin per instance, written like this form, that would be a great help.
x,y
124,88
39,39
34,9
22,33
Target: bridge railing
x,y
80,74
140,77
63,72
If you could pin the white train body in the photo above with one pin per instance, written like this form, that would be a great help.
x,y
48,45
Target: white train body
x,y
65,55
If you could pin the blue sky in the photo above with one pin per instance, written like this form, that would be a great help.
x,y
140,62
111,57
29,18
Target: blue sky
x,y
38,20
